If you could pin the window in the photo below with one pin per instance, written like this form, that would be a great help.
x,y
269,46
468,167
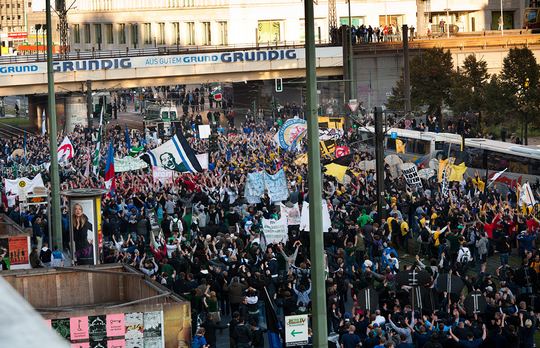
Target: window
x,y
109,33
147,33
77,33
87,36
356,21
269,31
223,33
395,20
122,33
190,33
176,33
161,34
134,34
207,34
97,32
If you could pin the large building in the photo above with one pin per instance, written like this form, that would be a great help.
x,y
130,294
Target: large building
x,y
132,24
13,26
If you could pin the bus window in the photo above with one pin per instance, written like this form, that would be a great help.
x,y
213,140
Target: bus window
x,y
534,166
173,115
391,144
422,147
164,115
439,145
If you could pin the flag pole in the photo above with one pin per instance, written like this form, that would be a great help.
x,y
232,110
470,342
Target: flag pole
x,y
55,177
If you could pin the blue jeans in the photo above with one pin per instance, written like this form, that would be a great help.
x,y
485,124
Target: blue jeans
x,y
504,258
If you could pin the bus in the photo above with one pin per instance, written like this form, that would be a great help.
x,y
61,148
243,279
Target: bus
x,y
522,163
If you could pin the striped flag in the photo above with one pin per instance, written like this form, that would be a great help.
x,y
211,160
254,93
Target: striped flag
x,y
95,161
175,154
109,170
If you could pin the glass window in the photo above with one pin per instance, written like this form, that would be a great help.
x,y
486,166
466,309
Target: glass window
x,y
97,32
356,21
269,31
223,33
207,33
77,33
122,33
87,37
109,33
134,34
176,33
147,33
190,33
161,34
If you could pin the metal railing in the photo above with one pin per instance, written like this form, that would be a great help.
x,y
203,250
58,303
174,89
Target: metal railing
x,y
153,51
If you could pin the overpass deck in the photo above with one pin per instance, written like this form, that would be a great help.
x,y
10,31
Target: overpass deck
x,y
453,43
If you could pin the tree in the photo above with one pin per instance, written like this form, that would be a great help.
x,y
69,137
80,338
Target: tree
x,y
432,74
519,85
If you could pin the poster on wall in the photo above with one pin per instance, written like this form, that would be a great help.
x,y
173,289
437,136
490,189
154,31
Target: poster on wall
x,y
99,232
18,250
115,325
78,328
97,327
83,223
80,345
134,328
177,325
62,327
117,343
153,323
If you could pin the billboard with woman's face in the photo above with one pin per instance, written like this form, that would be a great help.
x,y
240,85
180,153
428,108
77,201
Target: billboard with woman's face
x,y
83,226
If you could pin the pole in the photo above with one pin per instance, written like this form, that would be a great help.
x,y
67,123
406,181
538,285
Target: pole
x,y
320,331
447,22
502,20
406,70
53,146
89,103
352,94
379,162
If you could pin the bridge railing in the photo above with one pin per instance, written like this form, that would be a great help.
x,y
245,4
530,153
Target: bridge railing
x,y
153,51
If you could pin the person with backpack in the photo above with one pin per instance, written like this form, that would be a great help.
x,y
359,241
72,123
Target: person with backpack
x,y
463,258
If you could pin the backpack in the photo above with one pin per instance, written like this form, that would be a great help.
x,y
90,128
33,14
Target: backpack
x,y
466,256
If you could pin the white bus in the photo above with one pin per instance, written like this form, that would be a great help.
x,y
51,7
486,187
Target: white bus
x,y
522,162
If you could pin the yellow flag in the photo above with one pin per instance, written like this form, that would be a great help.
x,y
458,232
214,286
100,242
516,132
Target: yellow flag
x,y
336,170
456,174
302,159
479,184
400,146
442,165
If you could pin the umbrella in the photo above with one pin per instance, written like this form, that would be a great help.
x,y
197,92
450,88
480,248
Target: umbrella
x,y
368,298
475,303
450,283
422,298
426,173
413,278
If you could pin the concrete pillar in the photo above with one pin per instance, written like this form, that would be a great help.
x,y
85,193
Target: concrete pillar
x,y
75,112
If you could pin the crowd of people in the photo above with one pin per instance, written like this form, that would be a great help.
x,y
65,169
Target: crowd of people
x,y
198,236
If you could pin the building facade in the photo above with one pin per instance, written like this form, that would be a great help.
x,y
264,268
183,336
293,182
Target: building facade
x,y
135,24
12,23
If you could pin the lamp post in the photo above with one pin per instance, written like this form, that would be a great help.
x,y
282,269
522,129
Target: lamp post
x,y
501,20
352,95
53,145
320,330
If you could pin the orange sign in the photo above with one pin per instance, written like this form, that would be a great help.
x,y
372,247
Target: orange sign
x,y
18,250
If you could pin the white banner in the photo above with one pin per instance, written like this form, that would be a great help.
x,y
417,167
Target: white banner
x,y
304,218
410,172
23,185
162,175
204,131
128,164
292,213
275,231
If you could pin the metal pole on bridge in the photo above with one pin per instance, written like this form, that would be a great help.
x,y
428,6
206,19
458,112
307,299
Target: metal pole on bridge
x,y
320,330
53,145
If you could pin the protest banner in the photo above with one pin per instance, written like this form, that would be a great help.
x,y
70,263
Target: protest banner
x,y
275,231
304,218
128,164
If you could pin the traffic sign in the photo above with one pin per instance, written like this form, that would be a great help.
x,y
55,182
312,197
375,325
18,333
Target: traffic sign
x,y
279,84
296,330
393,135
353,104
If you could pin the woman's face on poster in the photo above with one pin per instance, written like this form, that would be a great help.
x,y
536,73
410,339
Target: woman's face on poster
x,y
77,210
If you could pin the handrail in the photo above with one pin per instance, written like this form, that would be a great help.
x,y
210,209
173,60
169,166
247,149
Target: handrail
x,y
142,52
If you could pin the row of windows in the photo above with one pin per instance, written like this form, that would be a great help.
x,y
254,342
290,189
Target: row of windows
x,y
9,18
151,33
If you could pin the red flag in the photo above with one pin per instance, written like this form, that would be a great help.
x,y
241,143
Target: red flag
x,y
342,151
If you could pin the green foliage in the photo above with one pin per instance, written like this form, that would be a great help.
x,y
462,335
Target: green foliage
x,y
469,85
